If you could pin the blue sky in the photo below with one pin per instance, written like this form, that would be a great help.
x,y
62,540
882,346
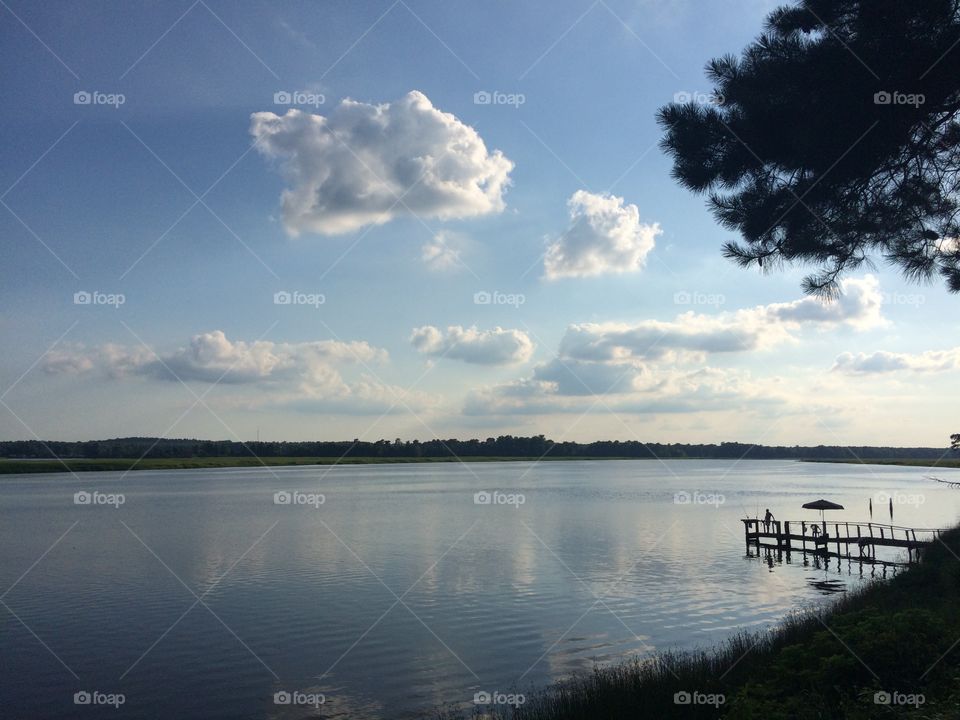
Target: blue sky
x,y
612,313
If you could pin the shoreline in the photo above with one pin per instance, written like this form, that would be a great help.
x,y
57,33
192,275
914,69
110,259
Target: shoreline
x,y
29,466
886,650
947,463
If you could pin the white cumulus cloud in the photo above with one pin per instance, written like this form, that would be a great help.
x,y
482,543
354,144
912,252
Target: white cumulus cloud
x,y
757,328
303,375
211,356
640,390
659,366
366,164
481,347
859,305
882,361
604,236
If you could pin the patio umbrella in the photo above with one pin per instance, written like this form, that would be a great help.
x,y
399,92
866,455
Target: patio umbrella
x,y
822,505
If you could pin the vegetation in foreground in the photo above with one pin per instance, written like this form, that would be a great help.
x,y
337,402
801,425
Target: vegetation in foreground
x,y
891,641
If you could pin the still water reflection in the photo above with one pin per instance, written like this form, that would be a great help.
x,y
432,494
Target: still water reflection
x,y
385,590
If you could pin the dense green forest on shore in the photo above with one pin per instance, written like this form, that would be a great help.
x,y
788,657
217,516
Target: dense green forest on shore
x,y
13,466
505,446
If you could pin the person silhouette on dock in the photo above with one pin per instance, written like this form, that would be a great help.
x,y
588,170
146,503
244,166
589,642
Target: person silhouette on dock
x,y
767,519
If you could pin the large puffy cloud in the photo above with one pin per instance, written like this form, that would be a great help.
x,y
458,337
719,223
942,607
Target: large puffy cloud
x,y
604,236
305,375
882,361
366,164
482,347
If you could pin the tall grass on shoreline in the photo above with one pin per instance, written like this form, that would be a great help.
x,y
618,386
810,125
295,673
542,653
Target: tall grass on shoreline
x,y
644,686
897,636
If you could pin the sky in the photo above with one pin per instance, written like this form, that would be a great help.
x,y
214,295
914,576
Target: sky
x,y
337,220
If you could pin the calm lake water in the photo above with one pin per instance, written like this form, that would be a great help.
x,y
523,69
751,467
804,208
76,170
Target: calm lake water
x,y
200,597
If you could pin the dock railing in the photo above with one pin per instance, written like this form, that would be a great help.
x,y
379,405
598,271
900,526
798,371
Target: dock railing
x,y
867,536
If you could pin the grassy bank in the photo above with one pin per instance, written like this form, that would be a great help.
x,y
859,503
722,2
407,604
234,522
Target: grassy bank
x,y
10,466
890,637
951,462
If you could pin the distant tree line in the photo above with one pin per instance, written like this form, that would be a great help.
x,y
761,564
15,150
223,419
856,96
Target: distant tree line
x,y
503,446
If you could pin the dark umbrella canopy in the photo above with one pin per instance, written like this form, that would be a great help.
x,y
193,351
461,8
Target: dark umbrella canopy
x,y
822,504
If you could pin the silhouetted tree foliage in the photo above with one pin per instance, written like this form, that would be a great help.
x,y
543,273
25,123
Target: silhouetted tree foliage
x,y
833,139
503,446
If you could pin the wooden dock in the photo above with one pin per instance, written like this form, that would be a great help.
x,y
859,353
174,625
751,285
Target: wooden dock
x,y
820,537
